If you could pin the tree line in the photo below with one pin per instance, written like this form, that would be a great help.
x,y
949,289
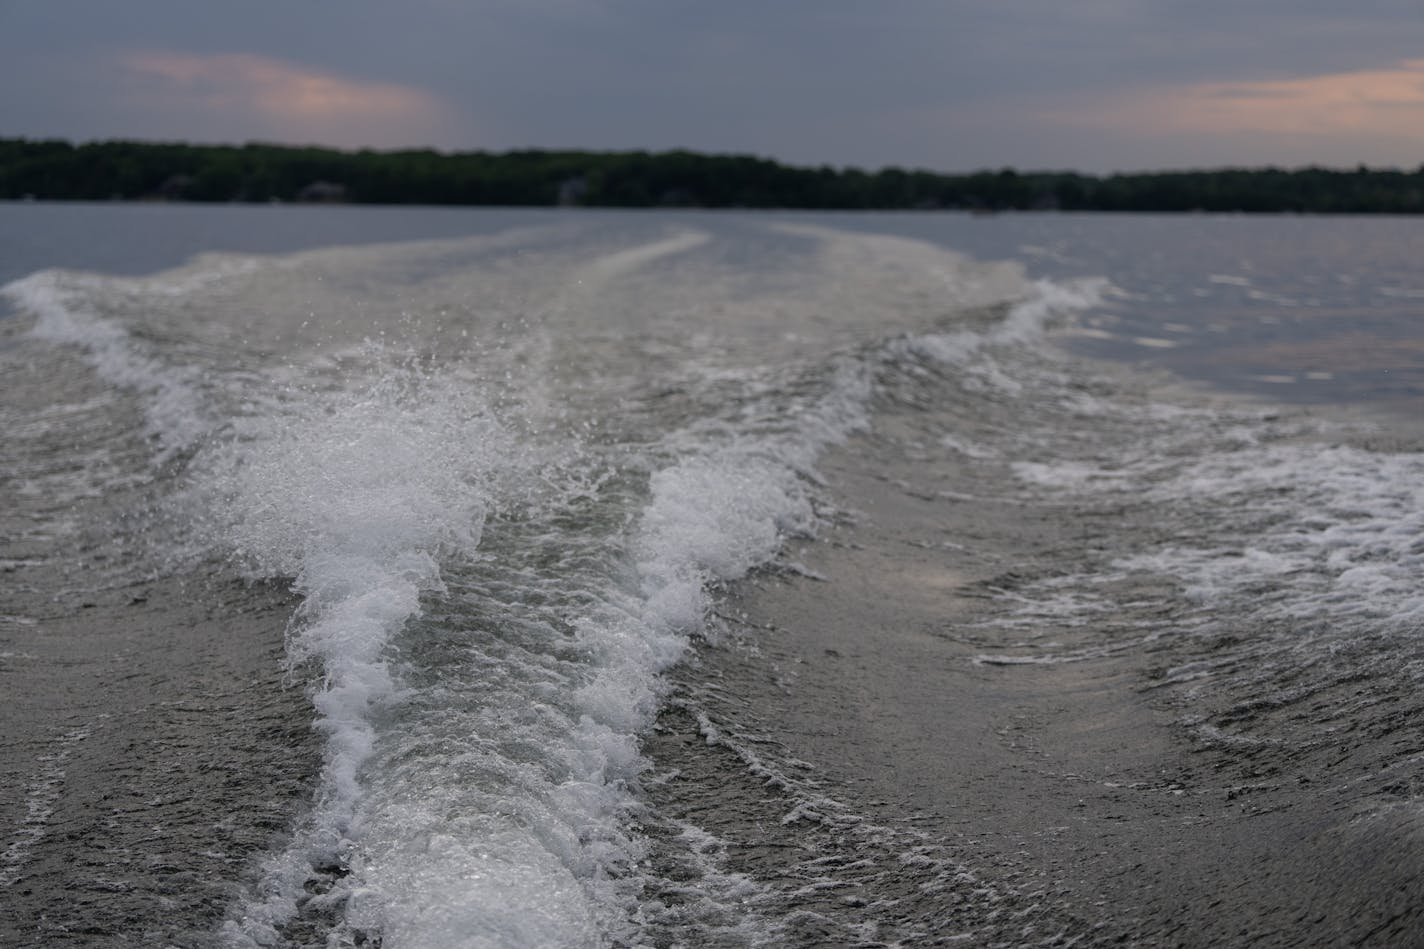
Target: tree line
x,y
51,170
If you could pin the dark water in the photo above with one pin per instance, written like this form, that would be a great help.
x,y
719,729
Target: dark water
x,y
352,565
1310,309
1297,308
139,239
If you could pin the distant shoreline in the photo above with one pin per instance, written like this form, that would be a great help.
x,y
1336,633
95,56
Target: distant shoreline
x,y
130,171
278,205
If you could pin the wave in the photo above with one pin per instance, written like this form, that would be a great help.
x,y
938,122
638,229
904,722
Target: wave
x,y
500,549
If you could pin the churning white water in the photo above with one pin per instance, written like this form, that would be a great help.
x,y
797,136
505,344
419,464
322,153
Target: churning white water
x,y
507,478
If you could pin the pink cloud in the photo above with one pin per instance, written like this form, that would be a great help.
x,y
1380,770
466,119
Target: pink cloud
x,y
1369,116
262,97
1386,103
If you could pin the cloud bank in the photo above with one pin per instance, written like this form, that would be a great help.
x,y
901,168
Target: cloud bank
x,y
283,101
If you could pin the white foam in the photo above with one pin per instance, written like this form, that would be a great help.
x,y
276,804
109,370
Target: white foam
x,y
490,798
1038,306
1050,301
64,305
43,792
713,520
1154,342
1346,526
966,448
361,497
1333,531
1063,474
357,496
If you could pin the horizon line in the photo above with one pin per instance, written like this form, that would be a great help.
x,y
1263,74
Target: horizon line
x,y
841,168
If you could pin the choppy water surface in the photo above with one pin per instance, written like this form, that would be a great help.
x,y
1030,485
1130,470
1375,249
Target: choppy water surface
x,y
1304,309
487,491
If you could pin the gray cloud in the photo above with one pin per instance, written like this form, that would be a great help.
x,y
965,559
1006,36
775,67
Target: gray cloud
x,y
912,82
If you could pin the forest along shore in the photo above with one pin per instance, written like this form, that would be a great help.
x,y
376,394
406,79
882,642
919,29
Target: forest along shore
x,y
55,170
923,764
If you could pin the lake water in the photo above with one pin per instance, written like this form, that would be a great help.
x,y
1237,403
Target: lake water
x,y
351,555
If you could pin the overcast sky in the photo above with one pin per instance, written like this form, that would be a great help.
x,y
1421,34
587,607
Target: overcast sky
x,y
955,85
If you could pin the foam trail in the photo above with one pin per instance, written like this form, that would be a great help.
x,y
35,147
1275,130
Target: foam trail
x,y
1026,321
63,306
565,872
485,636
540,851
357,496
546,854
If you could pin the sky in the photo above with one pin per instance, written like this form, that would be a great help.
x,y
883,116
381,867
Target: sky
x,y
954,85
